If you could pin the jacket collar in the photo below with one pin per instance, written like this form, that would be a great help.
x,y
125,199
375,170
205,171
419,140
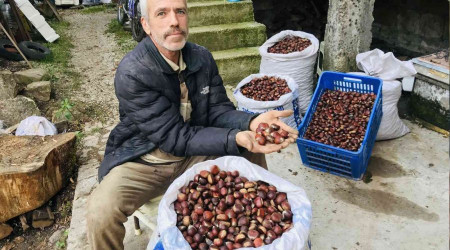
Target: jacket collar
x,y
193,63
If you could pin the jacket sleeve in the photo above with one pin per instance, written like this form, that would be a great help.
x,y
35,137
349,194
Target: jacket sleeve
x,y
221,111
161,122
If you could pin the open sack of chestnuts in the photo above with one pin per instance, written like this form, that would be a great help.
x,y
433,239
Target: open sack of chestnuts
x,y
266,212
259,93
292,53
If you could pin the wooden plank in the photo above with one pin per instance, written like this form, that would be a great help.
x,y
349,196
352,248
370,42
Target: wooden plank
x,y
26,23
54,10
25,36
15,45
3,21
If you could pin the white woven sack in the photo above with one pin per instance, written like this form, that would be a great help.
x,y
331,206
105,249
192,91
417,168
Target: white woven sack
x,y
286,101
298,65
168,236
388,68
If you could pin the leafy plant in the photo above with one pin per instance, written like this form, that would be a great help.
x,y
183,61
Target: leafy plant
x,y
66,208
64,110
61,243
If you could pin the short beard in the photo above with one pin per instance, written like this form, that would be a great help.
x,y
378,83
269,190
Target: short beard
x,y
161,42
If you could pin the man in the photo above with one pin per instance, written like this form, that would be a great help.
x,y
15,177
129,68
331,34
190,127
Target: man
x,y
174,112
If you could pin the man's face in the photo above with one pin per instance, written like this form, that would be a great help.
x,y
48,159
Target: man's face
x,y
167,23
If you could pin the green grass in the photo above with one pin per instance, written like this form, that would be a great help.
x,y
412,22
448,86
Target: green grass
x,y
58,62
99,8
61,47
123,37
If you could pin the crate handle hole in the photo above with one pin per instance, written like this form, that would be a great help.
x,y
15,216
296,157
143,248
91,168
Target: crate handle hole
x,y
352,79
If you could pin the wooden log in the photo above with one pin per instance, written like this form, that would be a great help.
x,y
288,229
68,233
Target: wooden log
x,y
32,170
5,230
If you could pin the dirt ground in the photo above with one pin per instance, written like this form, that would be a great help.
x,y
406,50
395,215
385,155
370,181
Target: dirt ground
x,y
95,57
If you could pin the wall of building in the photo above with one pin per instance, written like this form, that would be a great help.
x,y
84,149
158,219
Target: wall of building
x,y
303,15
411,27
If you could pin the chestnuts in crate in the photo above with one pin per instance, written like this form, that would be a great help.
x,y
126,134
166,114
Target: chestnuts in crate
x,y
341,119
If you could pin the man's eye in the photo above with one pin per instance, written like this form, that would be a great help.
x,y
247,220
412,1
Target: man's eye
x,y
161,13
181,12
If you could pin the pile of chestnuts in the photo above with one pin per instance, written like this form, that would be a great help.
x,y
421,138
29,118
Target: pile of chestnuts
x,y
223,210
341,119
272,134
289,44
266,88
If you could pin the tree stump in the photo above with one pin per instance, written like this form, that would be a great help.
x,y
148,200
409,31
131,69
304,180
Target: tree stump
x,y
32,170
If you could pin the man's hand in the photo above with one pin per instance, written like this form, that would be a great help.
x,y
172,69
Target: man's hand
x,y
247,140
273,117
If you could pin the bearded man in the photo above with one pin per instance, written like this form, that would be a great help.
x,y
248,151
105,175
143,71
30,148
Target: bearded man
x,y
174,112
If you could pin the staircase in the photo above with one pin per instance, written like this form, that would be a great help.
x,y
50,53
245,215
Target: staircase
x,y
230,32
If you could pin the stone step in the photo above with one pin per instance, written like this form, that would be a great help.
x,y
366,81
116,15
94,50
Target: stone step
x,y
229,36
236,64
219,12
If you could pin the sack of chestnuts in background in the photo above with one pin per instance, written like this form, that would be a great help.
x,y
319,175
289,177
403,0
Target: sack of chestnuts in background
x,y
259,93
292,58
293,234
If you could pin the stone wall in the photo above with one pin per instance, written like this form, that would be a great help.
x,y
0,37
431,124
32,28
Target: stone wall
x,y
411,28
301,15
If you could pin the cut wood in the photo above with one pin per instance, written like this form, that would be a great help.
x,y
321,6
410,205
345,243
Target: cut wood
x,y
42,217
5,230
32,170
23,222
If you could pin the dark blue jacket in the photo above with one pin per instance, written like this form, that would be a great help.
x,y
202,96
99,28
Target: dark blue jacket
x,y
149,105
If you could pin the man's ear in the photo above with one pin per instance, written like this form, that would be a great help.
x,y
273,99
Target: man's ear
x,y
145,25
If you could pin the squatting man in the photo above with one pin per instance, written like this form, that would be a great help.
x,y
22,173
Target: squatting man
x,y
174,112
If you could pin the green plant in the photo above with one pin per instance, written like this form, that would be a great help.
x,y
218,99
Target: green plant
x,y
61,243
64,110
79,138
99,8
66,208
79,135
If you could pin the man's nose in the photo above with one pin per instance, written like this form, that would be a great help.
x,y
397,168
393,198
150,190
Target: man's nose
x,y
173,19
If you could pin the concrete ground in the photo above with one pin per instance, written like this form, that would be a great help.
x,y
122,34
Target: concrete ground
x,y
405,206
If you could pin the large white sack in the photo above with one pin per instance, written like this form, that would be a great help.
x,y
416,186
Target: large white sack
x,y
286,102
295,239
388,68
36,125
298,65
391,126
384,65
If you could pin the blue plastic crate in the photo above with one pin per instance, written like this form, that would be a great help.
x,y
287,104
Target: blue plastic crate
x,y
335,160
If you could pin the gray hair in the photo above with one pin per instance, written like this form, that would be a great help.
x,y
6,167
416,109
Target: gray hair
x,y
144,10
